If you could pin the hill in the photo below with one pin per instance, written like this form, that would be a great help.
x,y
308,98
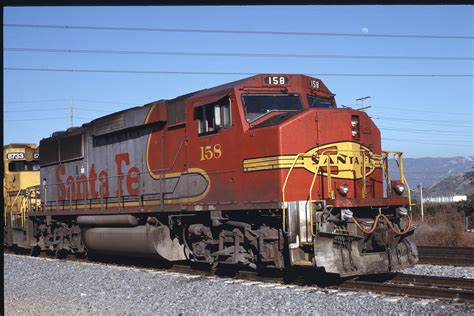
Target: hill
x,y
432,170
457,184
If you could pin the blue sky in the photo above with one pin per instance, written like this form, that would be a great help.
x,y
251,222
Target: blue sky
x,y
422,116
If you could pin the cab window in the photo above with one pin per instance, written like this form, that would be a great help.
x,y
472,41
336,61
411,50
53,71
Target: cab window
x,y
317,102
17,166
214,116
257,106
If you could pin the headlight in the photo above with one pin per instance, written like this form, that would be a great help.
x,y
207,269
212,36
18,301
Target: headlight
x,y
343,189
399,188
402,212
355,126
346,214
354,121
355,132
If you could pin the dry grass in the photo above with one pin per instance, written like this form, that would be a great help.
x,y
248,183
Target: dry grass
x,y
443,225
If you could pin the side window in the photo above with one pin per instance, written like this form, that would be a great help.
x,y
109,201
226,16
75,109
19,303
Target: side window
x,y
316,102
214,116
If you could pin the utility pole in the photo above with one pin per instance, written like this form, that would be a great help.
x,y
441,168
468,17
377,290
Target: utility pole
x,y
72,112
362,100
421,199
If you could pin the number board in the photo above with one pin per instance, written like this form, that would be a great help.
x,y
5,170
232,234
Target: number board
x,y
314,84
276,80
15,156
36,155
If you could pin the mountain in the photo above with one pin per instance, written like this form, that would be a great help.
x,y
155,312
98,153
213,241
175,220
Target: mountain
x,y
457,184
429,171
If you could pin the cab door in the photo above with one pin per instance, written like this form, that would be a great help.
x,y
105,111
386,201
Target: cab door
x,y
214,146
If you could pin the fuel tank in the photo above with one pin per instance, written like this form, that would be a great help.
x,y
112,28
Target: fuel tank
x,y
144,241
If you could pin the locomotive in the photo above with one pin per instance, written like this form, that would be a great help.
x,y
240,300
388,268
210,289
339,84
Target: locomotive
x,y
20,189
263,172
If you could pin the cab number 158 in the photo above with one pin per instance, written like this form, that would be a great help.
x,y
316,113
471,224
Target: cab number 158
x,y
211,152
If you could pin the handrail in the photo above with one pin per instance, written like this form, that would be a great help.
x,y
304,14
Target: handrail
x,y
364,177
11,208
399,161
404,180
119,178
312,185
22,200
383,158
284,187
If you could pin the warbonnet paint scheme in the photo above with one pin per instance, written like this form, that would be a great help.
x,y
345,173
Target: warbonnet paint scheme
x,y
262,172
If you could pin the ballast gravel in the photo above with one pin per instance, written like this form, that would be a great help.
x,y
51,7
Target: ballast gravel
x,y
440,270
37,286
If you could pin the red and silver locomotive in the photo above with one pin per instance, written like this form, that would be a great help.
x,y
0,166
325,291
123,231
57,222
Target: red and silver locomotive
x,y
261,172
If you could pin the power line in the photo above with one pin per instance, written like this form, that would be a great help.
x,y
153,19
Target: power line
x,y
36,110
38,119
436,141
93,110
410,121
421,120
225,73
34,101
442,142
420,111
110,102
55,100
227,54
287,33
423,130
55,109
402,130
425,143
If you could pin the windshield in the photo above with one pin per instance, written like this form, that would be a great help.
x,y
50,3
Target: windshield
x,y
316,102
16,166
258,105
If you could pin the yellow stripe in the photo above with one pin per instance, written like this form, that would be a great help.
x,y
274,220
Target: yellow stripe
x,y
270,163
152,174
152,202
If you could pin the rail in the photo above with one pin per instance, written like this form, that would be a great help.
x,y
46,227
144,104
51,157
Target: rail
x,y
381,160
454,256
421,286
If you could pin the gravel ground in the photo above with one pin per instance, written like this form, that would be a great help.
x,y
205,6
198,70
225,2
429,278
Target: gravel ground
x,y
446,271
35,286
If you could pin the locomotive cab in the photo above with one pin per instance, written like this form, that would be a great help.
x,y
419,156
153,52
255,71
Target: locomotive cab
x,y
340,209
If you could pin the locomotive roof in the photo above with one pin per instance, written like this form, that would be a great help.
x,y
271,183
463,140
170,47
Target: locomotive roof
x,y
21,145
199,94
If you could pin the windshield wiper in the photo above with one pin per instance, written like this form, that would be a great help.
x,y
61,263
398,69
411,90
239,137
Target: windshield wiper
x,y
268,112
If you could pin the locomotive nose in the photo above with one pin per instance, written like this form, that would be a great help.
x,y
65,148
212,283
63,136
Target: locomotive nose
x,y
335,125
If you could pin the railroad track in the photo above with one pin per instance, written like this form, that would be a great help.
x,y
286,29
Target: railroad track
x,y
457,256
455,289
423,286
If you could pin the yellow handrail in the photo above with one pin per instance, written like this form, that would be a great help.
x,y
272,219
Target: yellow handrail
x,y
11,208
383,157
364,176
284,187
404,180
399,161
311,188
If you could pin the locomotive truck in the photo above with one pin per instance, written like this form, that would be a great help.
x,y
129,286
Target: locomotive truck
x,y
263,172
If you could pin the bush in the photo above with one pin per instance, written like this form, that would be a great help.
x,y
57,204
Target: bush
x,y
443,225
